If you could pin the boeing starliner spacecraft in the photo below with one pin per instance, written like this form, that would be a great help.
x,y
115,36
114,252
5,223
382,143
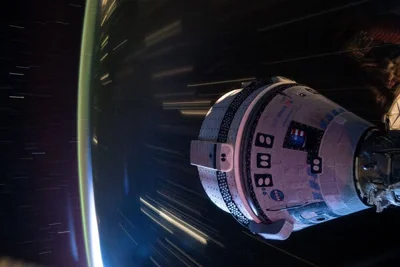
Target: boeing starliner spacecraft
x,y
281,157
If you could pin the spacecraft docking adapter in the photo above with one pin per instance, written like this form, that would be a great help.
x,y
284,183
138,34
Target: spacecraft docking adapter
x,y
281,157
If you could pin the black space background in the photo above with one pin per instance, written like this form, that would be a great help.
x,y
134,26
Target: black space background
x,y
38,133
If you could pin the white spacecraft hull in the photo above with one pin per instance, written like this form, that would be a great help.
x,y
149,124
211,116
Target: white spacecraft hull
x,y
280,157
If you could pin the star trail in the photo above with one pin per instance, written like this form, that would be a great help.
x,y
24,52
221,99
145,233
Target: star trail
x,y
39,184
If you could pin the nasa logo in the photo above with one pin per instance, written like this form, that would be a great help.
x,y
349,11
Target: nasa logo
x,y
297,138
277,195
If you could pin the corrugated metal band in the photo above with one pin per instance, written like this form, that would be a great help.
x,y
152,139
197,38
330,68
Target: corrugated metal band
x,y
223,137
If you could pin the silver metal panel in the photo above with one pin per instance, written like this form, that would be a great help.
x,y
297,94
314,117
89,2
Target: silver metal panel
x,y
209,132
338,152
203,154
294,184
211,155
210,185
309,107
211,124
288,167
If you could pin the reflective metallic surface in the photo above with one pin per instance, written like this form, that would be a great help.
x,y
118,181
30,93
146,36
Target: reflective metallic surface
x,y
279,157
154,70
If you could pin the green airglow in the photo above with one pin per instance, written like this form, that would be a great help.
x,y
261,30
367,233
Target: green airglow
x,y
83,119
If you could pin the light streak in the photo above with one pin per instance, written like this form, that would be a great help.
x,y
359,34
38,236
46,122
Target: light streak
x,y
163,149
62,22
74,5
181,251
188,103
130,223
38,153
313,15
102,46
191,218
107,82
104,41
16,26
183,226
176,71
104,20
26,242
193,112
177,202
186,189
160,255
47,189
104,57
173,253
126,232
111,9
206,229
221,82
118,46
154,261
105,76
156,221
164,33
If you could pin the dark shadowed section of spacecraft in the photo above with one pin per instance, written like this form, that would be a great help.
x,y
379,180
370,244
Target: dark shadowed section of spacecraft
x,y
159,66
